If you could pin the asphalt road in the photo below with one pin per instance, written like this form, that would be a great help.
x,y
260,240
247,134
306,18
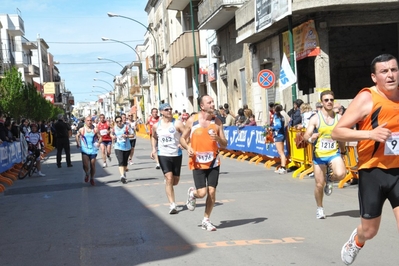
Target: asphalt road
x,y
262,219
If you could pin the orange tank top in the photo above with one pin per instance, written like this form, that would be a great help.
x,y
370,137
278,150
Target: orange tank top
x,y
205,149
377,154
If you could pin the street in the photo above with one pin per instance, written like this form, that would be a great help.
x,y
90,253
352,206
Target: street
x,y
262,218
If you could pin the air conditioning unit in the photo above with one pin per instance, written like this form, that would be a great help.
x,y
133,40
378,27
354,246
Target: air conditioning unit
x,y
215,51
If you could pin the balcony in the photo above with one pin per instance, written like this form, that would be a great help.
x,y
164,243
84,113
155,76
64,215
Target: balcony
x,y
150,64
182,50
213,14
177,4
32,71
15,26
135,90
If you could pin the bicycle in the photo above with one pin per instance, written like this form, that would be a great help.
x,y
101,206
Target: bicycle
x,y
29,166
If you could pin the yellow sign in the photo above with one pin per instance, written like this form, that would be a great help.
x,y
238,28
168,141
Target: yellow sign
x,y
49,88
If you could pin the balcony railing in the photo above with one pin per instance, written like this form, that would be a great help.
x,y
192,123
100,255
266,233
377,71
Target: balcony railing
x,y
182,50
213,14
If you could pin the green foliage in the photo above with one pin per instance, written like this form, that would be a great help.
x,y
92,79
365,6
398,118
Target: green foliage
x,y
20,100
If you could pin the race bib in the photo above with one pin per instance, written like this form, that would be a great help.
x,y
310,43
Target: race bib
x,y
204,157
391,145
327,144
103,132
166,140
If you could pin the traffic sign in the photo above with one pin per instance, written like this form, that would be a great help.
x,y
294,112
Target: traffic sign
x,y
266,78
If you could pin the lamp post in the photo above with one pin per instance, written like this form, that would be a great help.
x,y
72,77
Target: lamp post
x,y
156,48
109,92
99,71
140,66
102,58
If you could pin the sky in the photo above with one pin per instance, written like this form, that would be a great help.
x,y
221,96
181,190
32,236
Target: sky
x,y
73,30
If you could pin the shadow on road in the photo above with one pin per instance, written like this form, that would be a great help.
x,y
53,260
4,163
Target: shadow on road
x,y
233,223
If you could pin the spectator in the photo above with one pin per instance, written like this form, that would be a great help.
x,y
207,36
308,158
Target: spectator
x,y
24,127
252,121
319,106
241,120
9,136
63,133
221,114
230,121
176,115
296,117
247,112
3,132
341,110
15,130
306,113
271,112
278,128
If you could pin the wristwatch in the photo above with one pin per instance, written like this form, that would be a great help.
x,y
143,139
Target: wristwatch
x,y
344,153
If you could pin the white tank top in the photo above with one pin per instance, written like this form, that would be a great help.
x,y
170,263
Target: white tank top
x,y
168,140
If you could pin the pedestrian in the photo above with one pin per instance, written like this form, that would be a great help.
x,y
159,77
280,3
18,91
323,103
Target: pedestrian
x,y
152,120
104,129
166,144
121,134
278,128
88,139
325,152
63,132
134,125
374,111
206,135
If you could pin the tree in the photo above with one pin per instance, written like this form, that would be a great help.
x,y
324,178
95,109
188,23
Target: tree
x,y
11,87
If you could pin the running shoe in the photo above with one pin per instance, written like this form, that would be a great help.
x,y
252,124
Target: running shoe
x,y
328,188
191,200
208,226
172,208
40,174
350,249
281,171
104,164
123,180
320,213
92,182
109,158
86,177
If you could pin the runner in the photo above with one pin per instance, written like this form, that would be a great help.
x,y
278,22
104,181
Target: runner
x,y
152,120
375,112
88,139
133,125
104,129
325,150
206,135
165,142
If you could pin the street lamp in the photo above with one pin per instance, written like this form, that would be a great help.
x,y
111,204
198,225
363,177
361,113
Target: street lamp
x,y
156,48
101,88
140,66
99,71
102,58
109,92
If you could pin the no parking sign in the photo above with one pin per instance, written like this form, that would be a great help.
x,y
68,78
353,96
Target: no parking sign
x,y
266,78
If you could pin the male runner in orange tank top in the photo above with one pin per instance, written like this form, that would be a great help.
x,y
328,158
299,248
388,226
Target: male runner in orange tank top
x,y
205,135
375,111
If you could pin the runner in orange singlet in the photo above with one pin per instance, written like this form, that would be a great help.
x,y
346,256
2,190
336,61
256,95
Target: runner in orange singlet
x,y
205,134
375,111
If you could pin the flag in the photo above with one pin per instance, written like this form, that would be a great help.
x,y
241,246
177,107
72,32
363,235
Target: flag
x,y
287,76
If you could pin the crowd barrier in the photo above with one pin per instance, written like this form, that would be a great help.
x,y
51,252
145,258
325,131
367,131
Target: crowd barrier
x,y
249,143
12,154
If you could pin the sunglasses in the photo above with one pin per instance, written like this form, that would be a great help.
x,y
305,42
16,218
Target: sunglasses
x,y
118,121
167,109
328,100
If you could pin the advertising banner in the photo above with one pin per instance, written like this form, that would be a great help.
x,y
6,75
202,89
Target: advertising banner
x,y
268,12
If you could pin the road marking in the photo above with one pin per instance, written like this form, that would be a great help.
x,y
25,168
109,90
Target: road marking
x,y
235,243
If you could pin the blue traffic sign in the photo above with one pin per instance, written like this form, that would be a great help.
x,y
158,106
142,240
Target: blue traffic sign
x,y
266,78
